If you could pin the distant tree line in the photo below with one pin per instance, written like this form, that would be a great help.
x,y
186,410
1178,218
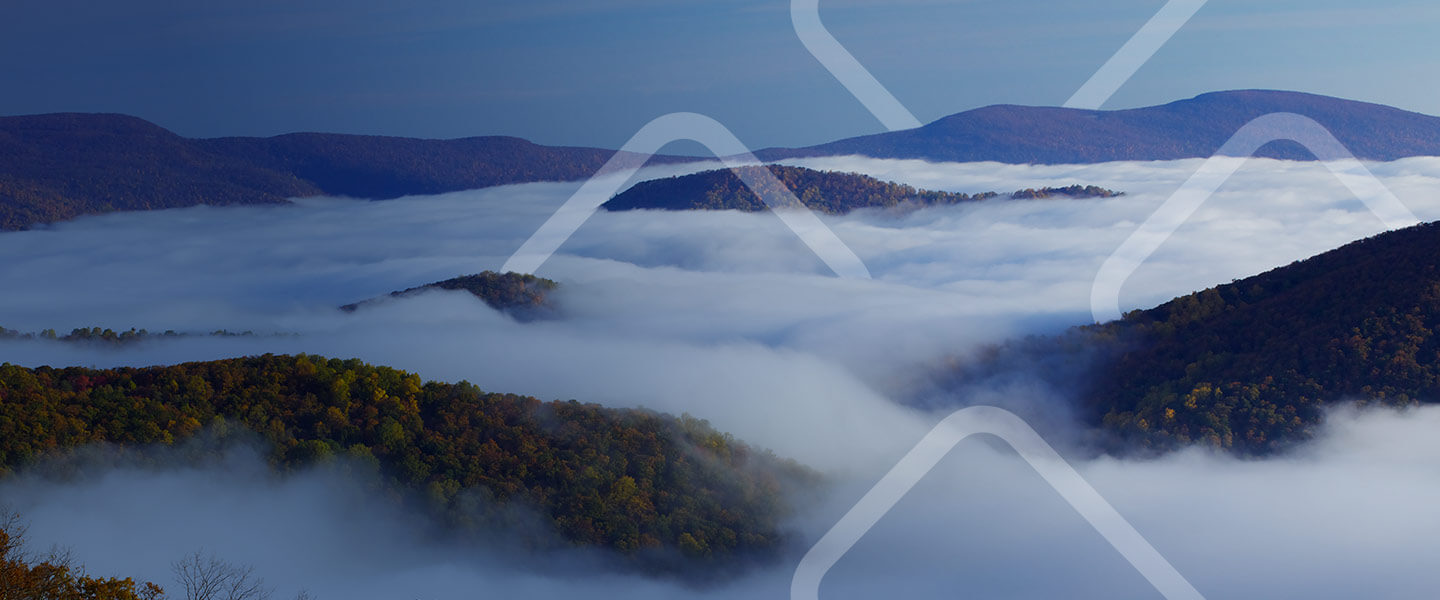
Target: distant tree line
x,y
110,336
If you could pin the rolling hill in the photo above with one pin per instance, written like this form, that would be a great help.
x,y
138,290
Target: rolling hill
x,y
1251,365
1191,128
58,166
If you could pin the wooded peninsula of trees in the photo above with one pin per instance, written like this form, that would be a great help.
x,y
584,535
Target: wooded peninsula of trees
x,y
523,296
1249,366
829,192
648,486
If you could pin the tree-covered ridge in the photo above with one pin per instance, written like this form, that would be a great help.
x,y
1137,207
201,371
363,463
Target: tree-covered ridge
x,y
518,294
1248,365
828,192
629,480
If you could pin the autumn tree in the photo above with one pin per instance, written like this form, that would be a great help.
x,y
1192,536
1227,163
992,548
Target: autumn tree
x,y
55,577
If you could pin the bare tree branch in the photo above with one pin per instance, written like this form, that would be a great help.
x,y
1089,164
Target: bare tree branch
x,y
205,577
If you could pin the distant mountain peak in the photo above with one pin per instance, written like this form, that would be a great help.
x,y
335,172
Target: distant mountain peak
x,y
1190,128
58,166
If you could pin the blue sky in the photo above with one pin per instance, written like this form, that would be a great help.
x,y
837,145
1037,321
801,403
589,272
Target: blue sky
x,y
591,72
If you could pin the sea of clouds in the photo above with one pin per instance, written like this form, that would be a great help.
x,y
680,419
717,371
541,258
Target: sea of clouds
x,y
728,317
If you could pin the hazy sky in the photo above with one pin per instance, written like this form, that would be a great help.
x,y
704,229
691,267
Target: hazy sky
x,y
593,71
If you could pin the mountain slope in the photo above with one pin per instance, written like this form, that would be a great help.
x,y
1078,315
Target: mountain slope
x,y
1185,129
828,192
58,166
55,167
632,481
1249,364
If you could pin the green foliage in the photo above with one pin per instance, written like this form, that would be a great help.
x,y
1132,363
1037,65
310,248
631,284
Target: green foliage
x,y
828,192
629,480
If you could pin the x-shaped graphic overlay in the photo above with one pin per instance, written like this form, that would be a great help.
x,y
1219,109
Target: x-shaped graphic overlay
x,y
966,422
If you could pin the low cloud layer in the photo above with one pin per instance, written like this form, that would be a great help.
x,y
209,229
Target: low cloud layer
x,y
1347,517
728,317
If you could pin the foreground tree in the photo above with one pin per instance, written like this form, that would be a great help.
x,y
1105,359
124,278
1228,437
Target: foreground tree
x,y
205,577
25,577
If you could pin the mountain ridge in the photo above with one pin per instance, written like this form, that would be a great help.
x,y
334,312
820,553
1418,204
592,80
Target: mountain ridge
x,y
1190,128
58,166
1249,366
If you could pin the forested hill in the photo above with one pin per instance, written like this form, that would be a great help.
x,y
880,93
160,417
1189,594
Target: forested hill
x,y
58,166
1249,364
649,486
523,296
828,192
1193,128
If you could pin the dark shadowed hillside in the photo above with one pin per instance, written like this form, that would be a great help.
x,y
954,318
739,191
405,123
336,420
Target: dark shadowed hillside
x,y
55,167
1249,366
59,166
1185,129
822,191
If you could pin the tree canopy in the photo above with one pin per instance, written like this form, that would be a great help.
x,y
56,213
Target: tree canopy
x,y
1249,366
630,480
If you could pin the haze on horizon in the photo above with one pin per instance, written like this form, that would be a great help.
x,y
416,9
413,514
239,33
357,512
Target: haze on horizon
x,y
584,73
